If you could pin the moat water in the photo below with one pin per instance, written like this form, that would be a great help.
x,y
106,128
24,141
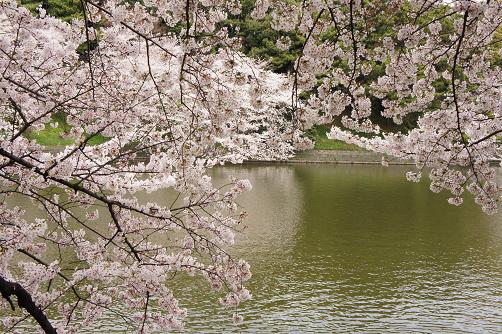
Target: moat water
x,y
353,249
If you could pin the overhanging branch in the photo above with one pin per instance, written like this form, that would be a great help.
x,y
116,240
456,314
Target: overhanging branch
x,y
24,300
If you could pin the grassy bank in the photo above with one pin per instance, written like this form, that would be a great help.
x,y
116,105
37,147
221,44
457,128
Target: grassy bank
x,y
56,136
322,142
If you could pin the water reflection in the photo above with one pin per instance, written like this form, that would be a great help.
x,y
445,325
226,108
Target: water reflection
x,y
395,257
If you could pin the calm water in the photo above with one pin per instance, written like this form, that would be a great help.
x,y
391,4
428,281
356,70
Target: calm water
x,y
359,249
355,249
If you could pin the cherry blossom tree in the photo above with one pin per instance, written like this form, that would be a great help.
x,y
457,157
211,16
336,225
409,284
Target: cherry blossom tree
x,y
165,83
436,63
172,105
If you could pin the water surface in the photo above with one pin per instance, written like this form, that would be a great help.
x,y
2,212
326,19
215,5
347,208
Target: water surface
x,y
360,249
353,249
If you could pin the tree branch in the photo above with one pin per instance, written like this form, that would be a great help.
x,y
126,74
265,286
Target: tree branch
x,y
25,301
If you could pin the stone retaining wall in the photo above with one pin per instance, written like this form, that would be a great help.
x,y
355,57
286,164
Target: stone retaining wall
x,y
348,157
340,157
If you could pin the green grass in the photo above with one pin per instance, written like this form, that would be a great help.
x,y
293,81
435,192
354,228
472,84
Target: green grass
x,y
63,9
322,142
50,136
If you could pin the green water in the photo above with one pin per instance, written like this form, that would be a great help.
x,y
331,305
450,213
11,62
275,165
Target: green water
x,y
360,249
354,249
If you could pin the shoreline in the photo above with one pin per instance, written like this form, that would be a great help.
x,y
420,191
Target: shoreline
x,y
336,157
346,158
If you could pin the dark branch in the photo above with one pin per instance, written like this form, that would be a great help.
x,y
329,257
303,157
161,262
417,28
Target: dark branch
x,y
25,301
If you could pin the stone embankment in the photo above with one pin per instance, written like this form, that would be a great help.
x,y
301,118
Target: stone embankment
x,y
340,157
347,157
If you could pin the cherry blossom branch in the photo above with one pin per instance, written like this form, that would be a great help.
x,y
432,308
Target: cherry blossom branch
x,y
24,300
